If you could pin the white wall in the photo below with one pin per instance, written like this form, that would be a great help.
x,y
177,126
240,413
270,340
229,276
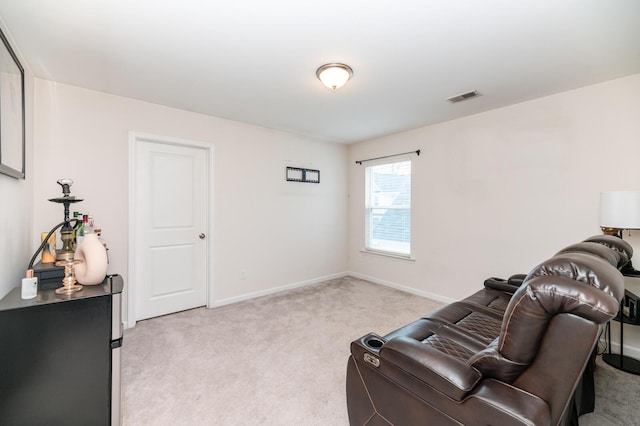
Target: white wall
x,y
496,193
15,229
16,199
281,233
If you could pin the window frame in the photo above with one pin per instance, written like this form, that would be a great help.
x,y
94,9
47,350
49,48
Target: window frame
x,y
368,208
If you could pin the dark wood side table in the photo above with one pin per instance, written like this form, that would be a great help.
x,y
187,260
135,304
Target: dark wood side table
x,y
628,314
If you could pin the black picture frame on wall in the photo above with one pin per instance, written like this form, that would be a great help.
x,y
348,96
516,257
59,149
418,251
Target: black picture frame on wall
x,y
12,125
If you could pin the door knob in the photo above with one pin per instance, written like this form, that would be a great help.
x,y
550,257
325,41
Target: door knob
x,y
201,236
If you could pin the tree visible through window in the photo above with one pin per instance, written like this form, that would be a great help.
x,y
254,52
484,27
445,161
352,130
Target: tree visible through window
x,y
388,208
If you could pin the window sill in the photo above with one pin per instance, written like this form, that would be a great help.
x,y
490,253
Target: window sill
x,y
387,254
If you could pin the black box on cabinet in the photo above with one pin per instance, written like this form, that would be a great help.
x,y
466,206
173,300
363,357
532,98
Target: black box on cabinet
x,y
49,275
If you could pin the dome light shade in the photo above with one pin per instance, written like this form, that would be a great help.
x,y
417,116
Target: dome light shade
x,y
334,75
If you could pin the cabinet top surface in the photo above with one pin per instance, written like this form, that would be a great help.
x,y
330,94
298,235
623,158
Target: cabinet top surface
x,y
113,284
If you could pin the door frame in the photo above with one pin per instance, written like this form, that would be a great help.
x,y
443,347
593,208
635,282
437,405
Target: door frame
x,y
134,139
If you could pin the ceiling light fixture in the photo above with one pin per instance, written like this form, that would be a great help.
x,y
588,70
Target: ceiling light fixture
x,y
334,76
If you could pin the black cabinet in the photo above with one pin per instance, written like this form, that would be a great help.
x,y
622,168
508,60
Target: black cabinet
x,y
60,357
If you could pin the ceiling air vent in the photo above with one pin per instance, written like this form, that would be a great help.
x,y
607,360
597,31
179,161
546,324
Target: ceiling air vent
x,y
463,96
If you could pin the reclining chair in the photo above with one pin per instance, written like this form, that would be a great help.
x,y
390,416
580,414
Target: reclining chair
x,y
515,355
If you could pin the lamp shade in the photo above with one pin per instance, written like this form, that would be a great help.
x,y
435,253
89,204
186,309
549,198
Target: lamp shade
x,y
620,209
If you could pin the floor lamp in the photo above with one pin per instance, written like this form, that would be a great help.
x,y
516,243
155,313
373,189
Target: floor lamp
x,y
620,210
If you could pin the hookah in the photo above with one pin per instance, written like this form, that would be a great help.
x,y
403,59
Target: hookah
x,y
64,256
66,233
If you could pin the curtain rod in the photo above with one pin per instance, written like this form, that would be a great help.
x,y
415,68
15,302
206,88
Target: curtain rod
x,y
388,156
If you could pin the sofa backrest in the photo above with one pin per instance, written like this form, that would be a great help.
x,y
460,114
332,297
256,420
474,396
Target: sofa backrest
x,y
617,244
583,268
569,283
614,257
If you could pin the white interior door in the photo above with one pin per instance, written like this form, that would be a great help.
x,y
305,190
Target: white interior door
x,y
171,211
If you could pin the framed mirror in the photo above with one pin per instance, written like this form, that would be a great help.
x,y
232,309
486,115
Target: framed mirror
x,y
12,126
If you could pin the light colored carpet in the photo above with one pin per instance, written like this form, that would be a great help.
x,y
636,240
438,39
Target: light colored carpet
x,y
617,398
281,359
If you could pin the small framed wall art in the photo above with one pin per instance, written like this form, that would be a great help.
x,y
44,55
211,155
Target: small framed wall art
x,y
297,174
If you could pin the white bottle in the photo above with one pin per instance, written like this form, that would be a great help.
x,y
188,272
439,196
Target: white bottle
x,y
29,285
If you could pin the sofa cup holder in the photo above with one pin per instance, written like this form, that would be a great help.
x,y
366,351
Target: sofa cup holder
x,y
373,342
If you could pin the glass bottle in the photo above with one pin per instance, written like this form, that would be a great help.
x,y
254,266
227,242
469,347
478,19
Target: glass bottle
x,y
78,217
87,224
82,229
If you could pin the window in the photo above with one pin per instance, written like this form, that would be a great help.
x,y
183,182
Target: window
x,y
388,208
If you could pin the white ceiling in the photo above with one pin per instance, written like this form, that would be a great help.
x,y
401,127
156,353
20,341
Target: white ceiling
x,y
254,61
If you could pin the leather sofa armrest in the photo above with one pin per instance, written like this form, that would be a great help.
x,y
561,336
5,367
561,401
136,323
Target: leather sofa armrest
x,y
516,279
509,285
443,372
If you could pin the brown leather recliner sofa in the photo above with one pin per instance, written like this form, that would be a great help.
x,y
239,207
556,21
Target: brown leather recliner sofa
x,y
518,352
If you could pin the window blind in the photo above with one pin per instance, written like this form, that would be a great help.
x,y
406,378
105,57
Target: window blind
x,y
388,208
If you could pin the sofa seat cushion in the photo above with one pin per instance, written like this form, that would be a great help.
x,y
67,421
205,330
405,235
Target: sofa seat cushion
x,y
454,378
459,330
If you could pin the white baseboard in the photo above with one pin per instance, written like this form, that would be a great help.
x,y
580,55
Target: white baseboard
x,y
428,295
253,295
